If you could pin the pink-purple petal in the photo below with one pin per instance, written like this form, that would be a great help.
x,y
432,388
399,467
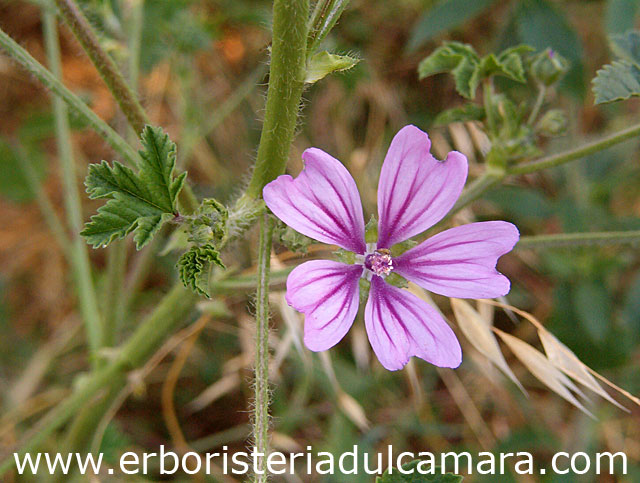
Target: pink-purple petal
x,y
461,262
328,294
322,202
416,190
401,325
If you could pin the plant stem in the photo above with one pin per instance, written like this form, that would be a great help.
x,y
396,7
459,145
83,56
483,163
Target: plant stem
x,y
577,153
49,214
113,308
150,334
48,80
79,255
261,384
542,91
580,239
105,65
286,82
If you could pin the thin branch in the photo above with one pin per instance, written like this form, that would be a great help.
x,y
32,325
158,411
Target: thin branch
x,y
570,240
577,153
49,81
105,65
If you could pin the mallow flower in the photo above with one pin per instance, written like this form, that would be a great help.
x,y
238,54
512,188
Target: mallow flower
x,y
415,191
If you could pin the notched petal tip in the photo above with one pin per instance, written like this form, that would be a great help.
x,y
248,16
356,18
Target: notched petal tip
x,y
415,189
322,202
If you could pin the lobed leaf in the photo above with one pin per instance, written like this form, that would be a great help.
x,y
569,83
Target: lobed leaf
x,y
193,267
466,78
617,81
468,69
139,203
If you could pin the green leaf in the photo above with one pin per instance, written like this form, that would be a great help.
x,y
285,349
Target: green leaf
x,y
323,63
193,267
139,203
510,66
468,112
617,81
444,16
415,477
627,46
468,69
466,78
446,58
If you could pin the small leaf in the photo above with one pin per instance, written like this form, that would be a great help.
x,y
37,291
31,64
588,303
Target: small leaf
x,y
466,78
446,58
468,112
294,241
627,46
543,370
394,476
617,81
139,203
193,267
478,332
324,63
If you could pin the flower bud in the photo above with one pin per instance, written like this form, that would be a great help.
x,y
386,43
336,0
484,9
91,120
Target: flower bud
x,y
548,67
553,123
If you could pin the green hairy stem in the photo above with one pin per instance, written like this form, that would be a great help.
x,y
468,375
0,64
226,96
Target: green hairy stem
x,y
286,82
261,384
107,68
577,153
610,238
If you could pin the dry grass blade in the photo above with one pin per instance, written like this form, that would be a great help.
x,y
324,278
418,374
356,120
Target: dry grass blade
x,y
349,406
478,332
563,358
543,369
214,392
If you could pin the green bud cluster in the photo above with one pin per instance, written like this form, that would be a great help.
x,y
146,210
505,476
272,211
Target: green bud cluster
x,y
548,67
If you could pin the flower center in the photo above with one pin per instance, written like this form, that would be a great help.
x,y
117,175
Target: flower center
x,y
379,262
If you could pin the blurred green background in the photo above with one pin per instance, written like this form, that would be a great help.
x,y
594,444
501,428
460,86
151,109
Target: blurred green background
x,y
203,78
